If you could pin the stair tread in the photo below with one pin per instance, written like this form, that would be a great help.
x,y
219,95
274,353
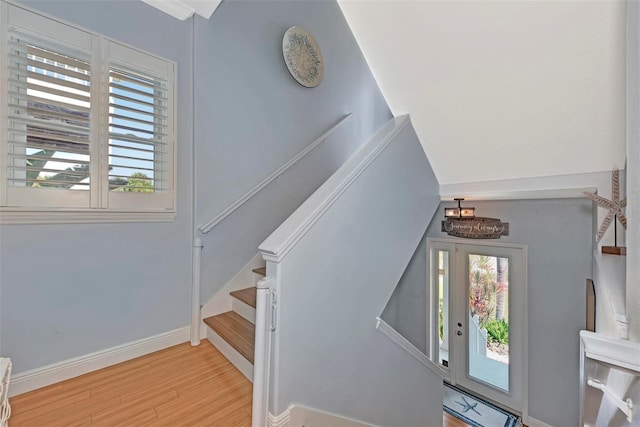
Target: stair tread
x,y
236,330
247,296
261,271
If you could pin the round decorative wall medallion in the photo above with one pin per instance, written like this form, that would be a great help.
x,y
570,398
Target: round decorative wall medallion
x,y
303,56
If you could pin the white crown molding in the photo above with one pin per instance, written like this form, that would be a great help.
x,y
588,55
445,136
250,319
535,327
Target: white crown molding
x,y
204,8
175,8
184,9
544,187
51,374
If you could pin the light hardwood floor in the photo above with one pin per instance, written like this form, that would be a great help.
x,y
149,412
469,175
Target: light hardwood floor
x,y
178,386
181,385
451,421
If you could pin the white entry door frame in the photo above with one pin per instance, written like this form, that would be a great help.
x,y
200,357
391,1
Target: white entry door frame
x,y
449,261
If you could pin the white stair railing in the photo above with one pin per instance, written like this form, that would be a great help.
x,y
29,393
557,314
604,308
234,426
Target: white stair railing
x,y
196,318
335,263
608,365
265,325
626,405
209,225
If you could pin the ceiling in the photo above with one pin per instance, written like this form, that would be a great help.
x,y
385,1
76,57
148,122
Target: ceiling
x,y
501,90
497,90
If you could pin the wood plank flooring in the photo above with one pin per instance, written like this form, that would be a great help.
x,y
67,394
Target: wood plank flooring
x,y
451,421
178,386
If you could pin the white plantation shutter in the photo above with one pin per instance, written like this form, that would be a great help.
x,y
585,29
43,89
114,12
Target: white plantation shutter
x,y
138,117
89,122
140,159
48,151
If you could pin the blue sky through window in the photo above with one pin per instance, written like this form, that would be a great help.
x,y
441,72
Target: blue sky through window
x,y
132,128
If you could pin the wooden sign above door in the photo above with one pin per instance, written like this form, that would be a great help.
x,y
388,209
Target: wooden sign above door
x,y
475,228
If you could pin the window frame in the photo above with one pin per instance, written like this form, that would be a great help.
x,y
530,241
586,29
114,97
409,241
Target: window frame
x,y
100,208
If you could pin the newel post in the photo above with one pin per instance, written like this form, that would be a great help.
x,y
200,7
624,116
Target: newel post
x,y
195,292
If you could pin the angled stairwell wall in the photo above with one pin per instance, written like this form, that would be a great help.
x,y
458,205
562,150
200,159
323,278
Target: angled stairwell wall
x,y
251,117
406,309
334,263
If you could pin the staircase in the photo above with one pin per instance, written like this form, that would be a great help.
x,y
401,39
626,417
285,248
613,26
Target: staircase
x,y
233,332
353,237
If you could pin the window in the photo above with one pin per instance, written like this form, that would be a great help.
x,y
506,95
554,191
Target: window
x,y
87,127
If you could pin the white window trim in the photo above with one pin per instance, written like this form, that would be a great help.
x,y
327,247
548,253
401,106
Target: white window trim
x,y
92,213
17,216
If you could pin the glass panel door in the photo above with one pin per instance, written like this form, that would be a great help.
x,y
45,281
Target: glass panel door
x,y
443,307
442,267
489,318
477,317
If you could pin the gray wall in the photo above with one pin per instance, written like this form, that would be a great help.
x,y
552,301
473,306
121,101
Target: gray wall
x,y
69,290
336,280
129,281
252,117
558,233
405,311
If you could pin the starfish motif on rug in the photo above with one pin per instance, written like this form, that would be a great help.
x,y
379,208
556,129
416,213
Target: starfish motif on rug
x,y
614,205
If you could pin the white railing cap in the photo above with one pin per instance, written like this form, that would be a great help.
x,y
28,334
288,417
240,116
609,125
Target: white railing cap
x,y
285,237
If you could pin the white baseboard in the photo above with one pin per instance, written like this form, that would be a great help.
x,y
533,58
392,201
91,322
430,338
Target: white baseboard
x,y
236,359
307,417
51,374
532,422
299,416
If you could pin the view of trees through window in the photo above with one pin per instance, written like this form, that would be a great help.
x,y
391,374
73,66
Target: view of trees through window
x,y
489,301
136,138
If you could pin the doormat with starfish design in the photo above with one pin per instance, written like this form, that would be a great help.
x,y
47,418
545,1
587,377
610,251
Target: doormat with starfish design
x,y
474,411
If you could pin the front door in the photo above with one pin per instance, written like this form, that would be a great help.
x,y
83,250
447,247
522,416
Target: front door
x,y
482,317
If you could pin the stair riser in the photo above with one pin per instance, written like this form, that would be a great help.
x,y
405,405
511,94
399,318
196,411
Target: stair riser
x,y
244,310
236,359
